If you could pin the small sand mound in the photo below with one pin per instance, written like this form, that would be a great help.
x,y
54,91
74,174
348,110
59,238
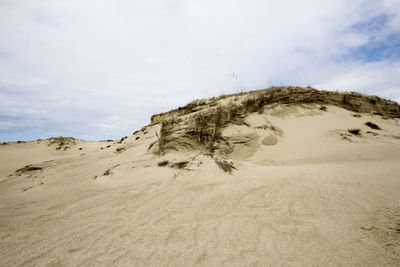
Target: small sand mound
x,y
62,142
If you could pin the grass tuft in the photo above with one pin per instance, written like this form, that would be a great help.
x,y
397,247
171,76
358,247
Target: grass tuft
x,y
166,128
120,149
372,125
180,164
163,163
354,131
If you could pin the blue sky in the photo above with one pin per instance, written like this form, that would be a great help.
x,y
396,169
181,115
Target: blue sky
x,y
99,69
378,48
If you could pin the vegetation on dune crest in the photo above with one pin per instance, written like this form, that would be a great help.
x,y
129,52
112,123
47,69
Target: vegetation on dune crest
x,y
207,126
205,119
62,142
254,101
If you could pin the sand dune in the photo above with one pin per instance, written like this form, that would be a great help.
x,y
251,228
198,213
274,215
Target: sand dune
x,y
304,189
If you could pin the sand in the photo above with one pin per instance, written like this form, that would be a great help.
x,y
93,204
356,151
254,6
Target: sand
x,y
308,193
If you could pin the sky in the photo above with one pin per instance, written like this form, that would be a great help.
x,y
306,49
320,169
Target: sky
x,y
99,69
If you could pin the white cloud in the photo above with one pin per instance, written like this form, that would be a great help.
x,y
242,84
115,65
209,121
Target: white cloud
x,y
102,68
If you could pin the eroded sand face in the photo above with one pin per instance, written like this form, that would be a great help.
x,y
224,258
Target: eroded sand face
x,y
317,195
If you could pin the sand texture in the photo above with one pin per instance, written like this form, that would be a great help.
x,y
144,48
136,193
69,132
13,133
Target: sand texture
x,y
301,191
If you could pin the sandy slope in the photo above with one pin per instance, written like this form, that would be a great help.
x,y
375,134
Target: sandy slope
x,y
308,193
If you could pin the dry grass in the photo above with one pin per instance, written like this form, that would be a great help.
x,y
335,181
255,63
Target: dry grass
x,y
165,131
180,164
201,128
255,103
207,127
225,165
